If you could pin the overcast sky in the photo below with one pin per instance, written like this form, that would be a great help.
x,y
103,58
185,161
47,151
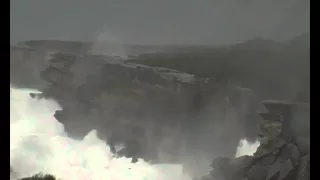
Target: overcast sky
x,y
158,21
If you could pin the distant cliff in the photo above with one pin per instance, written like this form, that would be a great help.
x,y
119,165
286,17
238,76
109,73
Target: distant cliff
x,y
277,70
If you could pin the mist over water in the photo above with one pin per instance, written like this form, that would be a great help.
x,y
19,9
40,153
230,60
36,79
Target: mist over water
x,y
38,143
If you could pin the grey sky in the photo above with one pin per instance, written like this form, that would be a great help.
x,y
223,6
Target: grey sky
x,y
158,21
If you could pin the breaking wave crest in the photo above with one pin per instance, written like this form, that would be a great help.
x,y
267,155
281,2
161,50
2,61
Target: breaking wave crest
x,y
38,143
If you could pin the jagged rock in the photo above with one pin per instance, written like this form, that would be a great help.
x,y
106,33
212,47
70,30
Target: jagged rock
x,y
239,167
303,144
280,170
290,151
242,161
257,173
266,161
233,169
273,148
303,172
270,129
278,158
221,166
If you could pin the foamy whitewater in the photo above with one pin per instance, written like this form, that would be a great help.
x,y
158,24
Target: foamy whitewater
x,y
38,143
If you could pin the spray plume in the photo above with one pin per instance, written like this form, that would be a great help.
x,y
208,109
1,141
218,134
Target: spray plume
x,y
38,143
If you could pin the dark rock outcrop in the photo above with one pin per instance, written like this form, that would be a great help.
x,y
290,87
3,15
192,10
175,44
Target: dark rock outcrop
x,y
283,154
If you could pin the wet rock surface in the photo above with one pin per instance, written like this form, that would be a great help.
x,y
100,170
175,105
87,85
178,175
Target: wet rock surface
x,y
280,156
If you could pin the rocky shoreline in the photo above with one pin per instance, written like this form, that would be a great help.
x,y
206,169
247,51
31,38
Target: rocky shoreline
x,y
127,101
283,154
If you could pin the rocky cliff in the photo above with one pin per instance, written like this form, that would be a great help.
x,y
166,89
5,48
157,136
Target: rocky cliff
x,y
284,151
159,109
